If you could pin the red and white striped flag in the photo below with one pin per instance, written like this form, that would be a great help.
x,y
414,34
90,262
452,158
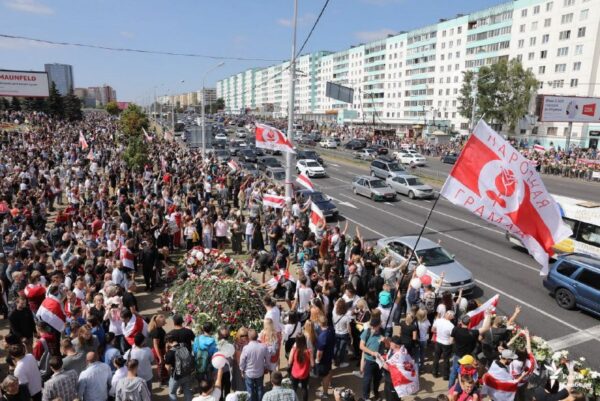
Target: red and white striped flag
x,y
271,138
499,384
82,142
148,137
477,315
52,313
316,217
90,155
274,201
233,165
494,181
303,180
539,148
403,373
127,257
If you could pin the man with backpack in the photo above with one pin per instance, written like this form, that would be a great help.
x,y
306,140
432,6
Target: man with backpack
x,y
179,363
203,348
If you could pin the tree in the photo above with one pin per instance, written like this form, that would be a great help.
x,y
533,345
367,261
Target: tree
x,y
55,103
34,104
218,105
132,120
504,91
112,108
136,154
15,105
72,107
4,104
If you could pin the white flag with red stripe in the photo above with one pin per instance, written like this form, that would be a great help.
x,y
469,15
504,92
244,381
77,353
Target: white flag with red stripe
x,y
403,373
146,135
271,138
539,148
82,142
303,180
317,218
494,181
52,313
90,155
499,384
274,201
233,165
477,315
127,257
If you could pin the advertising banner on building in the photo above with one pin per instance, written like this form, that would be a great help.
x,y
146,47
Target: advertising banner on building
x,y
23,83
570,109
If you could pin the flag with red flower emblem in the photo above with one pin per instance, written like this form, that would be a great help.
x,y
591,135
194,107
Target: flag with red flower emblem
x,y
495,182
271,138
403,372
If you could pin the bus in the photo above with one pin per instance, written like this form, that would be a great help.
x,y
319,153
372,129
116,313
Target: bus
x,y
584,219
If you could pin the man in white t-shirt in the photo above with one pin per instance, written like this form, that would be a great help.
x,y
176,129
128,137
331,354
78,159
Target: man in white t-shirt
x,y
26,370
273,313
210,391
443,343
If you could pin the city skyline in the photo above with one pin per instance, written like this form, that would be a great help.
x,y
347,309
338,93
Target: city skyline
x,y
135,75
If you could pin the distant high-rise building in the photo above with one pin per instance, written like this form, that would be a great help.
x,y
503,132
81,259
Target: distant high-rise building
x,y
103,94
61,75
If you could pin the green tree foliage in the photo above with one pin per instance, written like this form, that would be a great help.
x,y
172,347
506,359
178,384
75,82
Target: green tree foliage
x,y
504,91
72,107
112,108
4,104
132,120
15,105
136,154
34,104
55,104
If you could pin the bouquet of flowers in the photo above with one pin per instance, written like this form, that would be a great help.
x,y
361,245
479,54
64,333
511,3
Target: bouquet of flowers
x,y
541,350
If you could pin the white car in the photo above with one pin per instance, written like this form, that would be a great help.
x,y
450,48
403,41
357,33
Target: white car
x,y
221,137
413,159
328,144
241,134
310,168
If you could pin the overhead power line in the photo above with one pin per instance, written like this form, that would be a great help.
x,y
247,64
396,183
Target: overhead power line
x,y
313,27
129,50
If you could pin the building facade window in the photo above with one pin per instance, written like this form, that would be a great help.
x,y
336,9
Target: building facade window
x,y
536,10
541,70
564,35
532,41
574,82
581,32
566,18
543,54
545,38
562,51
560,68
578,50
577,66
549,6
583,15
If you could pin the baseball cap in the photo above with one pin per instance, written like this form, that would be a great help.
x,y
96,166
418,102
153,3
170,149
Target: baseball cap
x,y
385,298
466,360
508,354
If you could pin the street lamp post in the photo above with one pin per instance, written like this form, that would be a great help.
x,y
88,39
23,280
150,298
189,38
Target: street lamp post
x,y
221,64
291,100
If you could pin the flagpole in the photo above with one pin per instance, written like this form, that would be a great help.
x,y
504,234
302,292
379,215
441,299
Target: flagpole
x,y
288,155
413,254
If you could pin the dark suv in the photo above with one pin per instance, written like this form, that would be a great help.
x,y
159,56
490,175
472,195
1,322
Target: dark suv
x,y
355,144
574,280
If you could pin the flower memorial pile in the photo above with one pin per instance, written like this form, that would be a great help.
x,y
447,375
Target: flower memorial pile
x,y
215,288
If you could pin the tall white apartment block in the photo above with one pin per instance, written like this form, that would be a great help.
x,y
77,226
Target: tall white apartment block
x,y
412,79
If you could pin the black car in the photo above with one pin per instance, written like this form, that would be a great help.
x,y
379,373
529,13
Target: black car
x,y
320,199
450,158
381,150
355,144
267,161
306,141
220,144
309,154
247,156
315,136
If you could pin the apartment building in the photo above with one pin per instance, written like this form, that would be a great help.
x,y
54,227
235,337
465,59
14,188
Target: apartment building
x,y
411,81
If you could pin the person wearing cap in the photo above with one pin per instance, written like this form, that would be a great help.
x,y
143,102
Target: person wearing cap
x,y
371,345
387,311
465,341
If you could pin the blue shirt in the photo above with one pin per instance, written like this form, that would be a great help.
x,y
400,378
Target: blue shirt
x,y
94,382
325,344
372,341
109,355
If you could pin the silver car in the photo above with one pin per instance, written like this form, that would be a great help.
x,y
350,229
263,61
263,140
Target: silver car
x,y
411,186
434,257
373,188
365,154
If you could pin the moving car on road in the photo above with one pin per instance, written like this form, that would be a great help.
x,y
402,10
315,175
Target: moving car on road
x,y
450,158
241,133
413,159
328,143
310,168
434,257
384,169
365,154
373,187
267,161
247,155
276,174
355,144
250,168
574,280
221,137
321,200
223,155
380,149
309,154
410,186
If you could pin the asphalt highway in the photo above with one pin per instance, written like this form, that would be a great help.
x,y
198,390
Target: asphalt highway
x,y
497,266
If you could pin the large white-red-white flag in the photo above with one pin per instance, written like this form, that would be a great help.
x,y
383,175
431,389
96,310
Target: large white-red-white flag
x,y
403,373
271,138
274,201
477,315
317,218
233,165
494,181
82,142
303,180
52,313
500,385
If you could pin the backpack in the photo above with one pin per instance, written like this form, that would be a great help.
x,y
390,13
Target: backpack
x,y
44,362
429,302
184,365
202,359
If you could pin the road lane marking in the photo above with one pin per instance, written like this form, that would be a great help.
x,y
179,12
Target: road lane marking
x,y
572,339
334,165
470,244
338,179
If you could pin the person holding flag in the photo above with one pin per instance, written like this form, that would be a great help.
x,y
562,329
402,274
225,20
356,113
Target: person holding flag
x,y
400,372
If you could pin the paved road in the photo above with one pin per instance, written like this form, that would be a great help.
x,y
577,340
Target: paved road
x,y
497,266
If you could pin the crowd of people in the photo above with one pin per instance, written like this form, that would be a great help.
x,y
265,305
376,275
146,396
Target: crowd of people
x,y
78,225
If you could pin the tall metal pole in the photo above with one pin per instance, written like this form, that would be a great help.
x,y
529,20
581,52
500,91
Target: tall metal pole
x,y
288,155
203,122
568,140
